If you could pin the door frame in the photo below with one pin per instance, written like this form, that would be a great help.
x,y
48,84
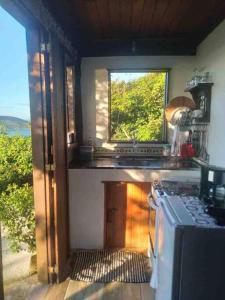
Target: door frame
x,y
45,187
59,150
42,188
33,28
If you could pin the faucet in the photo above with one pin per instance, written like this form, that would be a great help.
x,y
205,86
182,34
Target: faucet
x,y
134,141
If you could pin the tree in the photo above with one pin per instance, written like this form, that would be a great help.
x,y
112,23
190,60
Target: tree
x,y
2,128
137,108
16,194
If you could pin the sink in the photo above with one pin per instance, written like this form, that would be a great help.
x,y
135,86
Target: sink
x,y
140,162
154,163
165,163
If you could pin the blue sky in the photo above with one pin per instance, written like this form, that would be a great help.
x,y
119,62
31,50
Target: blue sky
x,y
14,89
127,76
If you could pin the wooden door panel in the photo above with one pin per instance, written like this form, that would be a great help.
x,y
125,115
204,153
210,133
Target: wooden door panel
x,y
61,216
115,218
48,126
137,222
127,215
39,123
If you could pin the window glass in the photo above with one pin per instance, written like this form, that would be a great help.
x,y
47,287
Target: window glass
x,y
71,130
137,102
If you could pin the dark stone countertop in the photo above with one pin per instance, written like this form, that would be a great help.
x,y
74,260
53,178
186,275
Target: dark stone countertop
x,y
145,163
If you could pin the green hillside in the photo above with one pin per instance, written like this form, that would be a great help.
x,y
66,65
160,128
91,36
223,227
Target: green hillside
x,y
13,123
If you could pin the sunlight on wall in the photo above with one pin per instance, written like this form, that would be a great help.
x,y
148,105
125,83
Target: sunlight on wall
x,y
94,85
101,96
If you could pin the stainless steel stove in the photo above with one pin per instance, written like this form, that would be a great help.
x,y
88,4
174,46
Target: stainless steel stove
x,y
196,209
188,250
187,194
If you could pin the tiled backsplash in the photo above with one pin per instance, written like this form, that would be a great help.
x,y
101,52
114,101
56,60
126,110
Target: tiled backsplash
x,y
130,151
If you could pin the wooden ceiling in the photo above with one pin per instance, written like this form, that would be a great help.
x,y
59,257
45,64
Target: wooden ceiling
x,y
137,27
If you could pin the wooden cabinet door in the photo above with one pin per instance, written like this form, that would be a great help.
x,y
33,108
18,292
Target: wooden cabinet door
x,y
115,193
126,215
137,219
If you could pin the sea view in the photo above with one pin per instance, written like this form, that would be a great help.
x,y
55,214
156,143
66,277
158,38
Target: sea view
x,y
20,131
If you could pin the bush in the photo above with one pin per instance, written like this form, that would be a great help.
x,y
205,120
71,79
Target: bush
x,y
17,214
137,108
16,195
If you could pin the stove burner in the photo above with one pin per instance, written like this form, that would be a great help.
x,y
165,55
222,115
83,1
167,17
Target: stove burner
x,y
188,194
197,211
204,215
192,208
202,222
193,202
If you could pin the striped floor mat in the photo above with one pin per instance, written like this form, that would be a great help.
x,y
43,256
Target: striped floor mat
x,y
109,266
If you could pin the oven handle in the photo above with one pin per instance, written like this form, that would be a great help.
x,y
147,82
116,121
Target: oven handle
x,y
151,202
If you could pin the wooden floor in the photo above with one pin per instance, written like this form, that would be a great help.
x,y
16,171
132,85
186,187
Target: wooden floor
x,y
78,290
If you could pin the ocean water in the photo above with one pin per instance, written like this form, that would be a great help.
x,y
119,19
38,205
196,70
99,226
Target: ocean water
x,y
21,131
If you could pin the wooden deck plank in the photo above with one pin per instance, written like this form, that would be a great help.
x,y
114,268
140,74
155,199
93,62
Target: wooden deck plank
x,y
111,291
147,293
57,291
78,290
130,291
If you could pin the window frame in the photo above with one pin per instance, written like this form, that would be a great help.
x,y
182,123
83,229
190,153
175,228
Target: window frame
x,y
166,100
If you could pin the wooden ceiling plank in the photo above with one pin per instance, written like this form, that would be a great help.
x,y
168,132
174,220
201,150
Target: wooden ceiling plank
x,y
93,20
184,11
169,16
114,12
103,13
215,16
87,20
137,16
126,15
157,24
148,14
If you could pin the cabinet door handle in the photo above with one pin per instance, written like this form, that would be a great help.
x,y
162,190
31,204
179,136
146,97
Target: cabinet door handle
x,y
114,209
110,213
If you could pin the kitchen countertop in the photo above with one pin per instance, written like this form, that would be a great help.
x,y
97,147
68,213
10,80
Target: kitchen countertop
x,y
153,163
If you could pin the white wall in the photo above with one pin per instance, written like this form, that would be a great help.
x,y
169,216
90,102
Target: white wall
x,y
95,86
86,199
211,57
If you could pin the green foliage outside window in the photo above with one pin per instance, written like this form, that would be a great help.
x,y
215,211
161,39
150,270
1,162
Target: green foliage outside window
x,y
137,108
16,194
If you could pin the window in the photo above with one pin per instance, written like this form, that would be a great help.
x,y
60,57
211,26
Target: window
x,y
70,104
136,106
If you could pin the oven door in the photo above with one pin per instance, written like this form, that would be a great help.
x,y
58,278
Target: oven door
x,y
165,232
